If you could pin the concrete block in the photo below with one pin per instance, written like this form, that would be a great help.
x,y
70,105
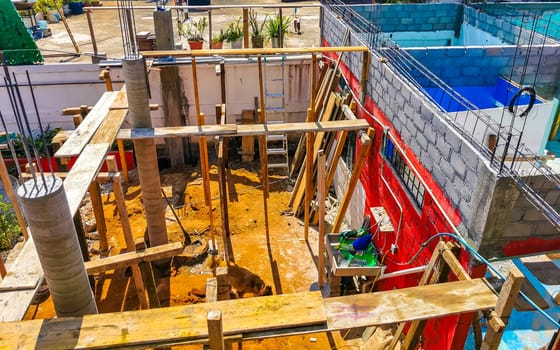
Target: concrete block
x,y
532,214
430,135
444,148
447,170
438,175
545,228
518,229
406,21
453,139
421,139
471,71
458,164
427,160
465,209
426,27
470,156
415,146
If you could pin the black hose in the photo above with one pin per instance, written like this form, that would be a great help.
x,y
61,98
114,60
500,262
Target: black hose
x,y
532,92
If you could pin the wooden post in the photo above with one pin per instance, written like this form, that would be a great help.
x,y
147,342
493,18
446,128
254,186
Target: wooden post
x,y
262,145
217,288
364,76
223,195
281,31
127,230
310,141
147,275
122,155
223,81
91,32
364,151
13,198
245,28
3,271
313,90
97,204
203,148
506,301
321,197
105,75
215,330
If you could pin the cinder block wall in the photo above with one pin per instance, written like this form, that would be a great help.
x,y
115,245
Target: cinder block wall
x,y
411,17
458,169
478,65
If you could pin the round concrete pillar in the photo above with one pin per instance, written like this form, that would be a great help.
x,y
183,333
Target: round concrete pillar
x,y
46,208
145,150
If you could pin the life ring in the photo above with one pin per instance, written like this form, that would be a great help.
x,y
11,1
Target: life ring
x,y
531,91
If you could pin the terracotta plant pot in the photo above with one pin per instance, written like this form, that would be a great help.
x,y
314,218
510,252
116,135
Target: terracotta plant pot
x,y
217,45
196,44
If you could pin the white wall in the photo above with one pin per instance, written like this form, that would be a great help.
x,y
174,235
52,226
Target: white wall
x,y
58,86
537,125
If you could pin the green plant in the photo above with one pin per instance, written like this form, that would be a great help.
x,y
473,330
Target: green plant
x,y
234,31
216,38
9,227
193,30
36,139
44,6
256,28
274,26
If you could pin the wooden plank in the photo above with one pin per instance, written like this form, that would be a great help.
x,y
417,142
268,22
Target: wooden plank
x,y
123,260
98,213
364,152
261,51
232,130
25,272
83,134
166,325
107,132
321,197
14,304
504,306
83,173
309,174
408,304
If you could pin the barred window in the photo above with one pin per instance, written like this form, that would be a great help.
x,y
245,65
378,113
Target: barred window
x,y
410,180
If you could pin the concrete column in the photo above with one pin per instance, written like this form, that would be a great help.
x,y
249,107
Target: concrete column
x,y
52,228
170,88
145,150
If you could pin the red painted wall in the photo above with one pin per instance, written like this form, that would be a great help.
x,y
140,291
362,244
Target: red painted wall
x,y
418,224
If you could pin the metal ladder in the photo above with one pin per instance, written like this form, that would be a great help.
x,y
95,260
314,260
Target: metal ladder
x,y
275,98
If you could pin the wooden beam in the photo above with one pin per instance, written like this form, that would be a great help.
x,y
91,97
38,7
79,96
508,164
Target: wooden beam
x,y
394,306
364,75
72,111
108,130
186,323
122,156
83,133
82,174
321,197
127,231
364,152
263,154
232,130
504,306
244,52
134,257
309,175
215,330
97,205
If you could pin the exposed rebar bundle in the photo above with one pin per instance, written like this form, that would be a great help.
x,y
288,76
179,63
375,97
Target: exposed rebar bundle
x,y
128,29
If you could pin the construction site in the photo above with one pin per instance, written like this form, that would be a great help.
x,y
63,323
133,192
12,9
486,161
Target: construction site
x,y
337,190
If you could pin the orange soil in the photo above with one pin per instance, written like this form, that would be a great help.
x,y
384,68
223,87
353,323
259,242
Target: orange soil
x,y
287,263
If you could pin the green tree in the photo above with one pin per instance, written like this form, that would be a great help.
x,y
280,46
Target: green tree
x,y
9,227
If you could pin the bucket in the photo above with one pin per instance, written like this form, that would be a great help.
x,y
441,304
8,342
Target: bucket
x,y
77,8
42,24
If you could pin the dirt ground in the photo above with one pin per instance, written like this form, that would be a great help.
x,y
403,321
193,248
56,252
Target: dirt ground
x,y
105,21
285,260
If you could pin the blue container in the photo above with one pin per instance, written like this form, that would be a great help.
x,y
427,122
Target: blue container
x,y
77,8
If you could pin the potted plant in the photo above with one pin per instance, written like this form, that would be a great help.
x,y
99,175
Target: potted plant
x,y
77,7
277,30
218,40
257,34
49,9
234,34
193,31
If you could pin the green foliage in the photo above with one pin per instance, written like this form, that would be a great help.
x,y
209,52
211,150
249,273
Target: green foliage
x,y
234,31
274,26
9,227
18,142
220,37
44,6
256,28
193,29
